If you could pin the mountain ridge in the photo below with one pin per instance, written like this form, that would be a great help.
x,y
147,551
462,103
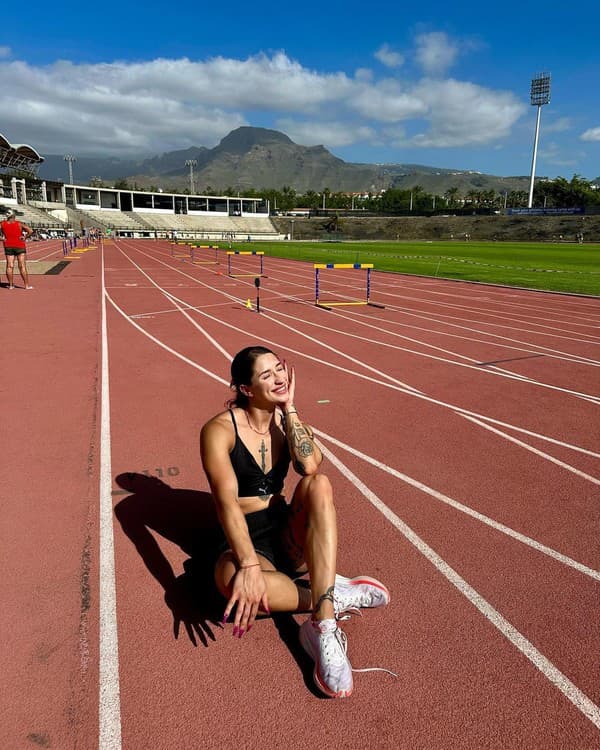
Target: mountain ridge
x,y
264,159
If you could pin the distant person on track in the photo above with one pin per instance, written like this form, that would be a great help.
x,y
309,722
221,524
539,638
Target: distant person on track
x,y
268,543
14,246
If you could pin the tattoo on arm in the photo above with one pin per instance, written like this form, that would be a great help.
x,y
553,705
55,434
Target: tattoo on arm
x,y
301,441
327,596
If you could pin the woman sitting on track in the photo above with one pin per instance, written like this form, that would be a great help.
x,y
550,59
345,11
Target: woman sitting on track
x,y
266,542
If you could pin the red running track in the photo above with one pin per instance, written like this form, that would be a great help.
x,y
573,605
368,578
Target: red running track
x,y
460,426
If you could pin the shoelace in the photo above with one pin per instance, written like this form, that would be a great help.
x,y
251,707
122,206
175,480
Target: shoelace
x,y
342,639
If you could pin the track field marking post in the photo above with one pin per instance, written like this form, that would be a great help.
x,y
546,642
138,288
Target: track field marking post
x,y
343,303
230,253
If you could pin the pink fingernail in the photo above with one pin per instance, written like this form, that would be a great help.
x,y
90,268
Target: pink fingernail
x,y
235,631
241,632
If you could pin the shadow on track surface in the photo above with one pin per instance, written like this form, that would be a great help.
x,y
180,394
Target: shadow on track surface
x,y
188,518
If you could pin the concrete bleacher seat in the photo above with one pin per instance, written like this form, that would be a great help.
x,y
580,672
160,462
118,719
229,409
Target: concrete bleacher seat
x,y
206,226
34,217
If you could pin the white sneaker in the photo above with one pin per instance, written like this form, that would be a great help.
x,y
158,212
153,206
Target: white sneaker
x,y
353,594
326,644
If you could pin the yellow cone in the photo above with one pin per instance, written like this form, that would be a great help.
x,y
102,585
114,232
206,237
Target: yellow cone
x,y
249,304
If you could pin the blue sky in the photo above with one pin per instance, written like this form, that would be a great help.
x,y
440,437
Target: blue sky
x,y
440,84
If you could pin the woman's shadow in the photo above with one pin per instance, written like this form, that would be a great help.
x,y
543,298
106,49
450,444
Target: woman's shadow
x,y
186,518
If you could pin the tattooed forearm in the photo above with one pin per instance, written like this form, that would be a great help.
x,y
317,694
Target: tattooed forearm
x,y
302,445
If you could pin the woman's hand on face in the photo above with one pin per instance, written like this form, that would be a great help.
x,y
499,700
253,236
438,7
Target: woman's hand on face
x,y
290,374
248,595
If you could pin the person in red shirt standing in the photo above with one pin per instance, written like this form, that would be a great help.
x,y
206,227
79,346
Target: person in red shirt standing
x,y
14,246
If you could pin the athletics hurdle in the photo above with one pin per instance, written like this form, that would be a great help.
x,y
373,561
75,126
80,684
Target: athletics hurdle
x,y
176,251
335,303
196,255
260,253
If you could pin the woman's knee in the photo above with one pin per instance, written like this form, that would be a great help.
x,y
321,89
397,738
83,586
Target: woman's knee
x,y
317,491
225,570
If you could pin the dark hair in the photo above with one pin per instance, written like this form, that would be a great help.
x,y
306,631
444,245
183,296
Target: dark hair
x,y
242,370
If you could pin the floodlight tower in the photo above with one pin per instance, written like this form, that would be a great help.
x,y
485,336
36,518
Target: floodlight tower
x,y
70,159
540,95
191,163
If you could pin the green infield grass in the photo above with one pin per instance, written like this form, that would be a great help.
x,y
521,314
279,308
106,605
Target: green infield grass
x,y
546,266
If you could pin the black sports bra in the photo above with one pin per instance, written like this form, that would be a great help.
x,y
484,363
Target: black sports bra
x,y
251,479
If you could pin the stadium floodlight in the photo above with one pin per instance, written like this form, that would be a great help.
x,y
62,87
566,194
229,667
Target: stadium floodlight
x,y
70,159
540,95
191,163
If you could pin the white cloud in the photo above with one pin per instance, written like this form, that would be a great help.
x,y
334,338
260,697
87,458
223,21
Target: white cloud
x,y
165,104
435,52
559,126
388,57
386,101
462,113
334,134
593,134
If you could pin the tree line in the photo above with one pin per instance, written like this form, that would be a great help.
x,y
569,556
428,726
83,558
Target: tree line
x,y
556,193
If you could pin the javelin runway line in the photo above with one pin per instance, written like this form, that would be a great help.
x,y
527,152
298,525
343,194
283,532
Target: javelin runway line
x,y
577,697
538,546
109,694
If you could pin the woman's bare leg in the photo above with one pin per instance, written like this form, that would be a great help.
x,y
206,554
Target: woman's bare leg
x,y
23,269
282,593
10,264
312,536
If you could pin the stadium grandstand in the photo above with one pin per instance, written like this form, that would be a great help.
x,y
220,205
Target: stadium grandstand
x,y
59,209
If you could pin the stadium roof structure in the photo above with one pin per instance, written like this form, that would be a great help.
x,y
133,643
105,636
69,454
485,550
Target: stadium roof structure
x,y
18,156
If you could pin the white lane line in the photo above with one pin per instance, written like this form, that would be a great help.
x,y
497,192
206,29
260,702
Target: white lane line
x,y
181,309
576,696
558,556
164,346
109,737
547,353
497,371
416,394
463,309
409,480
537,452
398,307
181,304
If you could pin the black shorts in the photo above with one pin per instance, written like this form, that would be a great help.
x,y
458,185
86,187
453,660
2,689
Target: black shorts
x,y
266,528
